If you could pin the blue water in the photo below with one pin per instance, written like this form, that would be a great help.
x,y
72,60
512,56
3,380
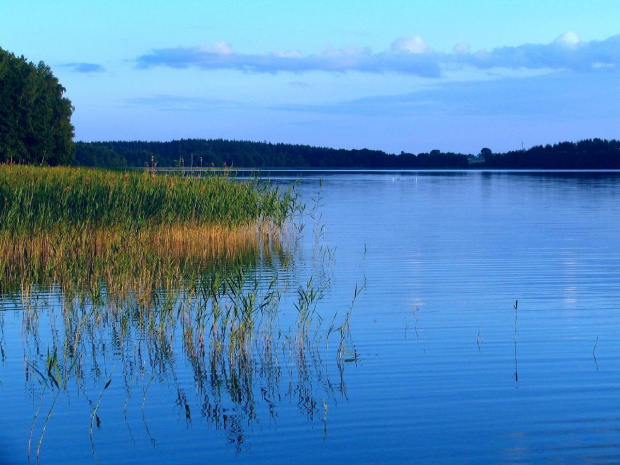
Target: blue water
x,y
439,367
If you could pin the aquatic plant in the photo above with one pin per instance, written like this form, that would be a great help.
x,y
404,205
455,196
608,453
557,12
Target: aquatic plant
x,y
226,327
35,199
90,229
594,353
151,296
516,307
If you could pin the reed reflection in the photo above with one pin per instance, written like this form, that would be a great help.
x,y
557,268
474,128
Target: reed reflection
x,y
210,325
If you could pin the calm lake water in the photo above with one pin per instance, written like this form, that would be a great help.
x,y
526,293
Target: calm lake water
x,y
440,364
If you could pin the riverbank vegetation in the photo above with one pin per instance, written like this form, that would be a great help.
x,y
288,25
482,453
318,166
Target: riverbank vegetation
x,y
158,273
85,228
198,153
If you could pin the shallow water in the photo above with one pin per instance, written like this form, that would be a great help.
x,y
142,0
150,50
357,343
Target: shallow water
x,y
439,367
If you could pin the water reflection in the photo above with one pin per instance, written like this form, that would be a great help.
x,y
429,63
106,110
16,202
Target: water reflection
x,y
439,344
219,344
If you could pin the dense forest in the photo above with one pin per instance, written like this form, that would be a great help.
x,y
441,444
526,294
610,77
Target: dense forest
x,y
586,154
35,117
218,153
193,153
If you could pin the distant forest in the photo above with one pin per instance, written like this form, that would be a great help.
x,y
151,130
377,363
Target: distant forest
x,y
195,153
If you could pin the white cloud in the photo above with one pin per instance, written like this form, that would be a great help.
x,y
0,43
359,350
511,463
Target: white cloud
x,y
218,48
413,44
569,39
608,66
328,60
289,54
566,52
407,55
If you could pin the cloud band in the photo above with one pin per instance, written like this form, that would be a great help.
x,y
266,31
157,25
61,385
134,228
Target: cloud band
x,y
409,56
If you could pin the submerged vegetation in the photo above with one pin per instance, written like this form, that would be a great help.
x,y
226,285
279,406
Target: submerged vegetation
x,y
245,357
124,280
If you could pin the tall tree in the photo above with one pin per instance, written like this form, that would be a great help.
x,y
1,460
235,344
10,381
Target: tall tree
x,y
35,117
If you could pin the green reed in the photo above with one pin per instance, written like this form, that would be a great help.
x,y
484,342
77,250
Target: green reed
x,y
35,199
154,271
84,229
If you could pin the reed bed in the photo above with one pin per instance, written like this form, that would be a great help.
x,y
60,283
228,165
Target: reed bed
x,y
162,258
154,271
34,200
82,229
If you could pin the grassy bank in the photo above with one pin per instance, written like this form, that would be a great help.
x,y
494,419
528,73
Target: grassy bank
x,y
88,229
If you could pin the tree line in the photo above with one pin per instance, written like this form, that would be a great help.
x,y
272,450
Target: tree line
x,y
219,152
586,154
35,117
195,153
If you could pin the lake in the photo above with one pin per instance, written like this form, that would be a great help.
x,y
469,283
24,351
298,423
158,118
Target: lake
x,y
452,317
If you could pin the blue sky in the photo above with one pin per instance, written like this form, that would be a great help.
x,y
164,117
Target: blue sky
x,y
393,75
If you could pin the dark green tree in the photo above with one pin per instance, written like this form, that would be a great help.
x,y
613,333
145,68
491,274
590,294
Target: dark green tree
x,y
35,117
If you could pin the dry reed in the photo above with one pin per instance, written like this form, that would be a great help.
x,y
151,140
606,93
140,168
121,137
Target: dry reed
x,y
83,229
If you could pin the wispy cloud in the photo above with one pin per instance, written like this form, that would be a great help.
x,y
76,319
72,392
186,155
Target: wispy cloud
x,y
557,96
85,68
407,55
566,52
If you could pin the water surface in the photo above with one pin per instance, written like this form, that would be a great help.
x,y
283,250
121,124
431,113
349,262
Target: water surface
x,y
439,367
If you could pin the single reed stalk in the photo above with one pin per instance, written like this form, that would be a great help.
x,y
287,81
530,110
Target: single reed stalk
x,y
516,307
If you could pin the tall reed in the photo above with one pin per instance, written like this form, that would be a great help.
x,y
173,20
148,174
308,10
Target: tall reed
x,y
83,228
155,271
34,199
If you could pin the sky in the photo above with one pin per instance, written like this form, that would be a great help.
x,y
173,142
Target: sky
x,y
393,75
